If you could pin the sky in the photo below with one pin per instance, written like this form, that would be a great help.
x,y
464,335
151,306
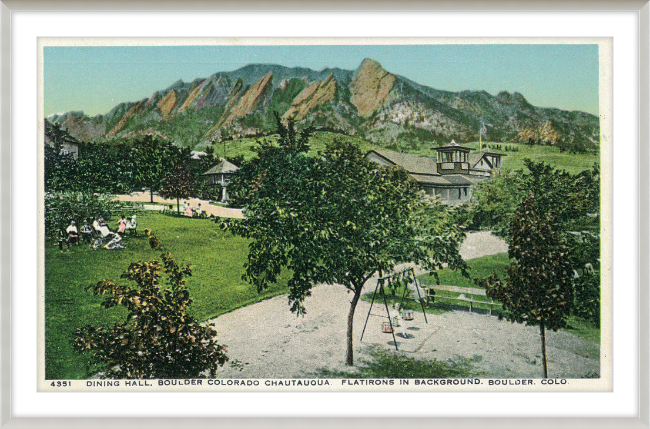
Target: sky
x,y
94,79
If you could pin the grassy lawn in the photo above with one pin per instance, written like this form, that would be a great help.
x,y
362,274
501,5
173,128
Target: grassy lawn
x,y
408,304
317,143
478,268
572,163
483,267
216,286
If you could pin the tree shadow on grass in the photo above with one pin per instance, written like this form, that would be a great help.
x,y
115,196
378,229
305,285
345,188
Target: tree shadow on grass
x,y
388,364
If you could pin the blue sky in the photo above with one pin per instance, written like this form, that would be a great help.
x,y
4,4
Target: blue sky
x,y
95,79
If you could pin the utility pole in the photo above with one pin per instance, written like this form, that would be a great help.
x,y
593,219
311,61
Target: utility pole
x,y
481,131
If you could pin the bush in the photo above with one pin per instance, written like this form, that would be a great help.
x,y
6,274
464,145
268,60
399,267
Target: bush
x,y
158,339
62,207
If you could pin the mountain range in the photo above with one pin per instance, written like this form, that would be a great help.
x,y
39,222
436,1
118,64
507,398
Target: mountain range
x,y
370,102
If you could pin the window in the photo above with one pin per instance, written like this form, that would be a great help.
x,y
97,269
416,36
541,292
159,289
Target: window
x,y
459,193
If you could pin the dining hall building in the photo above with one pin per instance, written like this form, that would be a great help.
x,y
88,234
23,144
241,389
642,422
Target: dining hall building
x,y
451,175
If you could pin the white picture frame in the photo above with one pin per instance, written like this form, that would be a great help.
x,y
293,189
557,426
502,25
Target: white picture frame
x,y
12,302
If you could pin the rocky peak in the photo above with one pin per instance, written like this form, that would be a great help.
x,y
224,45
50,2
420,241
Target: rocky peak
x,y
515,98
371,87
250,100
311,97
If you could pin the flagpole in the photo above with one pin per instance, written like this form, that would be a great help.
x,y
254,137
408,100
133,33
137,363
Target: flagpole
x,y
480,138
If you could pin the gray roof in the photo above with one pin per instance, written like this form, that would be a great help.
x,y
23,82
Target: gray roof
x,y
425,179
222,167
452,146
413,164
474,158
448,180
457,179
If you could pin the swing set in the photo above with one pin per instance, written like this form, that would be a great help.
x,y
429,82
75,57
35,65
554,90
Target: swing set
x,y
406,277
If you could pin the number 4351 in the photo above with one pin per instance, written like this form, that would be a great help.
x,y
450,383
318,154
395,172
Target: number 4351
x,y
61,384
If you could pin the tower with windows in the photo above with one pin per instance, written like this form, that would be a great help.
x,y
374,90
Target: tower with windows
x,y
453,159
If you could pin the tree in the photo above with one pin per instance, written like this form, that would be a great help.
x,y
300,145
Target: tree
x,y
59,169
152,159
538,288
62,207
336,218
290,139
159,339
178,183
495,201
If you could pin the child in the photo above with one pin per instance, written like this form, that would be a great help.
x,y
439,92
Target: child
x,y
121,225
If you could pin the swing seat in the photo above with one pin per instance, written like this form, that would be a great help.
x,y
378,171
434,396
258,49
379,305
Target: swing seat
x,y
386,328
407,314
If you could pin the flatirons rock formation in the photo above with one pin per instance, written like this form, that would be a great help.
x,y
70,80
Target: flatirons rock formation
x,y
371,102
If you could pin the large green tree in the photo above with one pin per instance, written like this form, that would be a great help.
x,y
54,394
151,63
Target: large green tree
x,y
153,158
63,207
60,169
336,218
538,287
575,200
178,183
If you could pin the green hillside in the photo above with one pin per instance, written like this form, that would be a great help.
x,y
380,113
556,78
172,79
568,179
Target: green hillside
x,y
572,163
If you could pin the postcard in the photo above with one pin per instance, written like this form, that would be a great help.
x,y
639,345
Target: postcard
x,y
325,215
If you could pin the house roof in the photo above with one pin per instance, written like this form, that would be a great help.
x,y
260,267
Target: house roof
x,y
222,167
457,179
416,165
426,179
449,180
475,157
453,146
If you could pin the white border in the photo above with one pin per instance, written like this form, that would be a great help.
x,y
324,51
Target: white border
x,y
623,26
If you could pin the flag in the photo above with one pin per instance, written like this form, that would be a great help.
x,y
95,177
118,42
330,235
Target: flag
x,y
483,129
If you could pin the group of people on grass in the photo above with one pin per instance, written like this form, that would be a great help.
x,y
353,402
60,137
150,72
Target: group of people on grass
x,y
98,233
191,211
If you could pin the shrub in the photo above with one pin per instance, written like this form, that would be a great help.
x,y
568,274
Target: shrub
x,y
158,339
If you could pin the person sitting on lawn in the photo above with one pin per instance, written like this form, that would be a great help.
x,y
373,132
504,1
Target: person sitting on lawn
x,y
106,232
199,211
73,233
188,210
121,225
86,232
96,224
132,225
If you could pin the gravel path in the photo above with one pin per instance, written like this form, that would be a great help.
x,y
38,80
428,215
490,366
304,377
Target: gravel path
x,y
265,340
144,197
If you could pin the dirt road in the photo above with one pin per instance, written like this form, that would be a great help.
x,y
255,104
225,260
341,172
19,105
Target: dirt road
x,y
144,197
